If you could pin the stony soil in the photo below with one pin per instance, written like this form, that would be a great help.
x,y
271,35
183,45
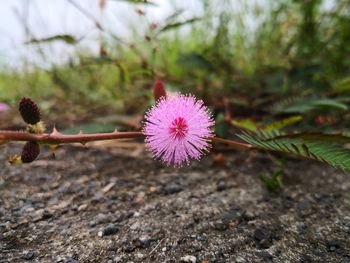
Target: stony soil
x,y
118,205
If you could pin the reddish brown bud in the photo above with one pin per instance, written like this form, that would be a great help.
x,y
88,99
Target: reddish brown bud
x,y
153,25
140,11
103,51
159,90
148,38
30,152
29,110
102,3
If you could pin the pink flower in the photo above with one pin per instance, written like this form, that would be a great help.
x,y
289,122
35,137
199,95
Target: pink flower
x,y
3,107
177,129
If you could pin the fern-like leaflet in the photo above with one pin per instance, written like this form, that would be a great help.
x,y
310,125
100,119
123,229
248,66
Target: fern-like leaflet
x,y
332,149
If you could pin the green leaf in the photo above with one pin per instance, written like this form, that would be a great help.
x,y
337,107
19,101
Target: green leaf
x,y
273,183
179,24
278,125
174,16
271,130
329,104
193,61
304,105
246,124
68,39
342,85
332,149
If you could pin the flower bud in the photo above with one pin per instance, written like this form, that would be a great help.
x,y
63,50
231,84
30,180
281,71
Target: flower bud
x,y
159,90
153,26
29,110
30,152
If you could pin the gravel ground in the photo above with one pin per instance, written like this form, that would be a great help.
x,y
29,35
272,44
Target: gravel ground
x,y
118,205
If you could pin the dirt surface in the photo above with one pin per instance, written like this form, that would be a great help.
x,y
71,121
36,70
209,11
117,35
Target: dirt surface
x,y
118,205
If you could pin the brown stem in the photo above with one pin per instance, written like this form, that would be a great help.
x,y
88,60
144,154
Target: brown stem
x,y
233,144
58,138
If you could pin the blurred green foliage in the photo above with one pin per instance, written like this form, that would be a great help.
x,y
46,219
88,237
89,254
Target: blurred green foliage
x,y
273,182
294,52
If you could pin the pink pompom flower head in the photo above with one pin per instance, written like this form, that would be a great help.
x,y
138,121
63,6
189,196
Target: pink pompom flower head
x,y
178,129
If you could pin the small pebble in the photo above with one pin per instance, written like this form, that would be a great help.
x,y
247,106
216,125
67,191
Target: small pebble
x,y
144,241
262,237
110,230
261,233
304,207
248,216
265,243
301,227
264,255
221,186
306,259
220,225
240,260
140,255
172,188
100,219
333,245
118,259
41,214
188,259
82,207
136,214
28,255
128,248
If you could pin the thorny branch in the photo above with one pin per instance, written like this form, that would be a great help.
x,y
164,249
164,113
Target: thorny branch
x,y
55,137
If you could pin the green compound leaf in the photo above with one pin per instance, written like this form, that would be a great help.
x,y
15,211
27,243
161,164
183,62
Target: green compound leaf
x,y
333,149
179,24
301,105
68,39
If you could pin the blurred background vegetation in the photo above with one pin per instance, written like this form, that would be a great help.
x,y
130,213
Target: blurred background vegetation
x,y
254,65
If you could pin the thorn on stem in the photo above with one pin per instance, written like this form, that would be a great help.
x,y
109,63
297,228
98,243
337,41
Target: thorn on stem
x,y
55,131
